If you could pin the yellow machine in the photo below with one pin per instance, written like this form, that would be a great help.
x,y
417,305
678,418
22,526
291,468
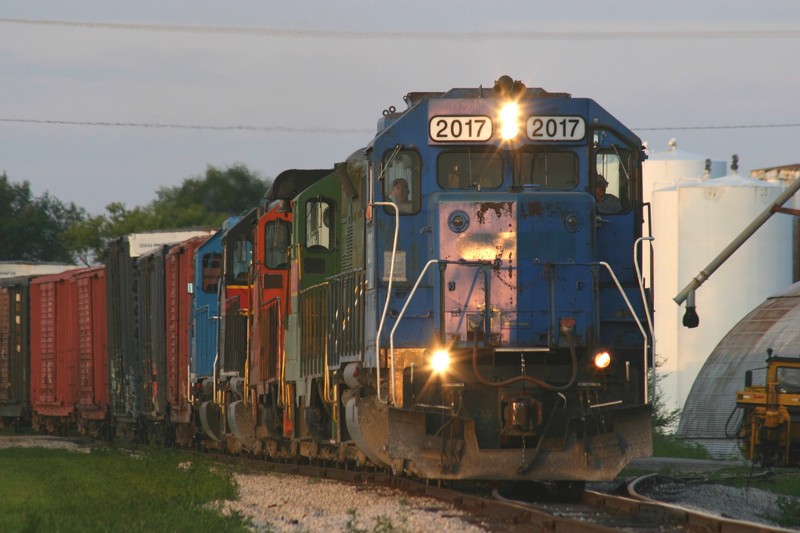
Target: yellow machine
x,y
770,428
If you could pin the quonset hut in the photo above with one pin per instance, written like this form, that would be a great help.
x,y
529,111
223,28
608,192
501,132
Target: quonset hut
x,y
708,417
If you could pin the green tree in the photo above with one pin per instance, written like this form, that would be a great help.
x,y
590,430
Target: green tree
x,y
209,200
32,228
199,202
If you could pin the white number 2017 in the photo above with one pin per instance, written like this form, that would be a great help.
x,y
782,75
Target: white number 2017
x,y
460,129
556,128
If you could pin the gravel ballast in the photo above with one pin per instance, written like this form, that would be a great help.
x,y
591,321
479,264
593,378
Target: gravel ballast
x,y
287,503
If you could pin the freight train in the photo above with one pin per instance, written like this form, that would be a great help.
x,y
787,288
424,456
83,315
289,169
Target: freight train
x,y
459,299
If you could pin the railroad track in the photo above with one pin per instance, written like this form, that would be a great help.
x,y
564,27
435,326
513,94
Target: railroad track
x,y
589,511
514,507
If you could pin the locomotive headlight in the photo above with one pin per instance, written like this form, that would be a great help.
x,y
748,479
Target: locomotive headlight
x,y
602,359
440,361
509,121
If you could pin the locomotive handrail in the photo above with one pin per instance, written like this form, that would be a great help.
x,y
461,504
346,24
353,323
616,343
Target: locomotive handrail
x,y
392,387
633,313
646,314
624,297
386,305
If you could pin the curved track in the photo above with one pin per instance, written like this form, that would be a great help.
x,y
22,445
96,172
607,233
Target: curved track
x,y
586,511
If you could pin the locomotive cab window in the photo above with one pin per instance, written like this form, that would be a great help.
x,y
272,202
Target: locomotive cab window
x,y
276,240
471,169
548,170
319,225
240,261
212,270
401,181
612,181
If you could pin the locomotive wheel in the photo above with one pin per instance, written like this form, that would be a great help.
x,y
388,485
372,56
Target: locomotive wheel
x,y
316,422
272,420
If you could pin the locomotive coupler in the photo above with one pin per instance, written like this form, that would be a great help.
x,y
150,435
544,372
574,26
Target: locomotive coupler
x,y
522,415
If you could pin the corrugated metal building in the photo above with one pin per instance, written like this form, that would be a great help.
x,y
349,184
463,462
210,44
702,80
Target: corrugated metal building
x,y
708,416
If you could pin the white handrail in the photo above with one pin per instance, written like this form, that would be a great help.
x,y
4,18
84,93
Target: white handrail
x,y
647,314
386,305
397,323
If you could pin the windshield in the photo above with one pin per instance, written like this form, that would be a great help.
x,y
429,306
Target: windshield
x,y
470,169
548,170
789,379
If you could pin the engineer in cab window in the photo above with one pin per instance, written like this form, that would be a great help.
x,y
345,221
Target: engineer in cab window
x,y
400,195
606,202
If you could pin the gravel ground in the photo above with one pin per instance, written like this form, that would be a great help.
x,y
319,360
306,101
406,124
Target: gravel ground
x,y
285,503
752,504
43,441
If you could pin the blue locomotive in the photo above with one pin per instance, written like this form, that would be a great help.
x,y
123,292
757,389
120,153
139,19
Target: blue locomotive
x,y
466,298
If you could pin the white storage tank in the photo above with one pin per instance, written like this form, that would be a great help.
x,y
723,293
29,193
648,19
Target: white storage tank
x,y
696,214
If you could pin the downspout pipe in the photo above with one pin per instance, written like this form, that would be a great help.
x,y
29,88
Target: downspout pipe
x,y
690,319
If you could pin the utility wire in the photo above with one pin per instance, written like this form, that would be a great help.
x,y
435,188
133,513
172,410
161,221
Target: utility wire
x,y
578,35
289,129
736,127
161,125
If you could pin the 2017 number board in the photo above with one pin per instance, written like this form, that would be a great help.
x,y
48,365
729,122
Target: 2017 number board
x,y
556,128
480,128
460,128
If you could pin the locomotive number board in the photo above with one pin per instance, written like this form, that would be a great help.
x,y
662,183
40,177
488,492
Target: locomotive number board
x,y
444,129
480,128
556,128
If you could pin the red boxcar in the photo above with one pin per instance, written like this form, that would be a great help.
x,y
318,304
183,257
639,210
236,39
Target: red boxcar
x,y
54,365
179,282
92,348
69,356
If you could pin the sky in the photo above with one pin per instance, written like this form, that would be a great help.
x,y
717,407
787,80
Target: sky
x,y
109,101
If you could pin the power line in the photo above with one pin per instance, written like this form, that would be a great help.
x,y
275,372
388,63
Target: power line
x,y
578,35
291,129
162,125
735,127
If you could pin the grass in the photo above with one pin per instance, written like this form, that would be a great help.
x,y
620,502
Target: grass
x,y
112,490
665,445
784,482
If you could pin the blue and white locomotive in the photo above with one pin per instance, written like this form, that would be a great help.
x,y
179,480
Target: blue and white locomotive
x,y
485,317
